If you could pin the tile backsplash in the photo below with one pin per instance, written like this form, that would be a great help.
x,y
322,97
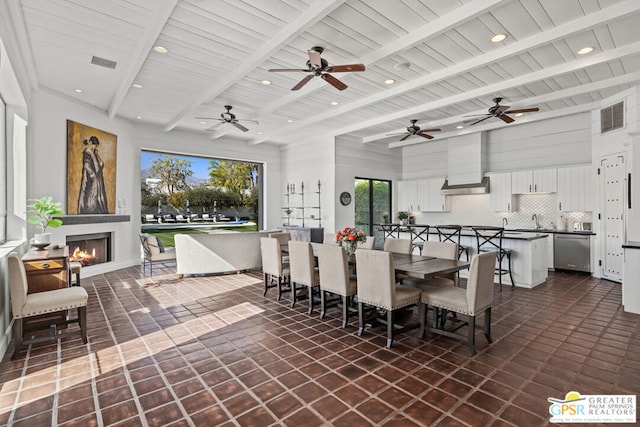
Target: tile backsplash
x,y
474,210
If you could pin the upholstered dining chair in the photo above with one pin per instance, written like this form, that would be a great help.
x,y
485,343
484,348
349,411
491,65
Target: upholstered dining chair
x,y
335,278
283,237
303,271
273,269
370,243
24,305
154,252
377,287
445,250
330,239
400,246
477,298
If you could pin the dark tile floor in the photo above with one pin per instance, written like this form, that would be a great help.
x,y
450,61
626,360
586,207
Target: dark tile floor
x,y
213,351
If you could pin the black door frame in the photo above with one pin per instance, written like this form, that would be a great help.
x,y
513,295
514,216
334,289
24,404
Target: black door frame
x,y
371,231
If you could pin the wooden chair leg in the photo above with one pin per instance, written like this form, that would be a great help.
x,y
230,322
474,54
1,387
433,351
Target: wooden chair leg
x,y
390,327
471,337
360,318
82,320
266,279
311,302
487,324
17,336
345,311
323,303
280,288
294,296
422,309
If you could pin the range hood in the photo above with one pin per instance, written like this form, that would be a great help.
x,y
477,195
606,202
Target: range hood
x,y
481,187
466,159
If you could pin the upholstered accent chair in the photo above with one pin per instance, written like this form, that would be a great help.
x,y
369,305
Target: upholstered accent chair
x,y
476,299
24,305
377,287
335,278
303,270
273,269
153,252
400,246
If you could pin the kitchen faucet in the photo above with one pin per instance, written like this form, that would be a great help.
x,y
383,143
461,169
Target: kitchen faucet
x,y
504,222
534,217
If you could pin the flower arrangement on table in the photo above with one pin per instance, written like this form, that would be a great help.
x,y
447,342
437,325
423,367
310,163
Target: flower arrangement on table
x,y
349,238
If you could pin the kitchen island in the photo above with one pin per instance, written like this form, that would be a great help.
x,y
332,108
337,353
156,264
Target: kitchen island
x,y
529,253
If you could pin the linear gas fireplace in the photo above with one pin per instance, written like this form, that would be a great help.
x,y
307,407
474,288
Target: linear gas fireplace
x,y
90,249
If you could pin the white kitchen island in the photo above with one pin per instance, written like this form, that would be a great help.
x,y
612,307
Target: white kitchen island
x,y
529,255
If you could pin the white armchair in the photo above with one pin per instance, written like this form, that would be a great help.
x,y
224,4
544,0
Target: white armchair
x,y
153,252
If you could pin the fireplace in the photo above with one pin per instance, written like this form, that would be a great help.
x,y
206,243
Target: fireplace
x,y
90,249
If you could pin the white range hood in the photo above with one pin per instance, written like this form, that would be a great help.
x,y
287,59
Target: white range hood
x,y
466,161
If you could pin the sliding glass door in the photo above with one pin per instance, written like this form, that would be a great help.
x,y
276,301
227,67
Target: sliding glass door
x,y
372,206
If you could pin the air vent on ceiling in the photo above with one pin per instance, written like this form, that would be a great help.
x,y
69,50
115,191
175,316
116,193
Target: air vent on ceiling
x,y
612,117
107,63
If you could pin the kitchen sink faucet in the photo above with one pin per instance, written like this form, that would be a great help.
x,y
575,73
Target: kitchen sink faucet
x,y
534,217
504,222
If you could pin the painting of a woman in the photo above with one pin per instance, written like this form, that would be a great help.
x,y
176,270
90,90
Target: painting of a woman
x,y
92,198
91,170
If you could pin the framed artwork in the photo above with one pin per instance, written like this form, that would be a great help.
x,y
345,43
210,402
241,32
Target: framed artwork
x,y
91,170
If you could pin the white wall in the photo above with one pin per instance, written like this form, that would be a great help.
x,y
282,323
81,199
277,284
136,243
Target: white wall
x,y
307,162
355,159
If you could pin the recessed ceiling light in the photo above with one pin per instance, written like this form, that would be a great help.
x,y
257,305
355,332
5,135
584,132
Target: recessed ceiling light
x,y
389,81
138,117
160,49
459,127
78,90
498,38
334,103
585,50
203,123
266,82
518,114
290,121
259,133
137,86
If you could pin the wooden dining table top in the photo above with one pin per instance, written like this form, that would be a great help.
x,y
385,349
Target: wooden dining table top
x,y
419,266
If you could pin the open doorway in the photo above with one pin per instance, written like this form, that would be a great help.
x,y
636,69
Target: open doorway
x,y
372,206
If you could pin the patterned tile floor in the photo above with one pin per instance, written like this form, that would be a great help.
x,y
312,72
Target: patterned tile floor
x,y
212,351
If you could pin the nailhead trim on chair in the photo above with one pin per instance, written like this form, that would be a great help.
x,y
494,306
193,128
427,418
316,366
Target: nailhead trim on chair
x,y
50,310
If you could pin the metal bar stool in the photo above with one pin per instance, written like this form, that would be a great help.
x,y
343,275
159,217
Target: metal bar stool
x,y
490,239
419,235
452,233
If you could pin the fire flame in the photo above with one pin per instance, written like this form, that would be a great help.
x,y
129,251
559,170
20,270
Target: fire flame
x,y
83,256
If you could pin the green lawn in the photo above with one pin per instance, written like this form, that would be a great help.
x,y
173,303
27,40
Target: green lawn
x,y
166,235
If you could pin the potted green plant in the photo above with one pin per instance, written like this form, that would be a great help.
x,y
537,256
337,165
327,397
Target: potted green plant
x,y
42,211
288,212
403,216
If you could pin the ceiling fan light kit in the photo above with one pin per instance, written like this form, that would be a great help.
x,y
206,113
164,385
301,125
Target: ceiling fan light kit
x,y
227,117
319,67
502,112
414,129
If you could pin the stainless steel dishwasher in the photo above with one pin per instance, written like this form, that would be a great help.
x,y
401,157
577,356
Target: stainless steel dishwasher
x,y
572,252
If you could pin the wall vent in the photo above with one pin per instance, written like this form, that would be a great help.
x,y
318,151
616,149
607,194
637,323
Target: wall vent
x,y
612,117
107,63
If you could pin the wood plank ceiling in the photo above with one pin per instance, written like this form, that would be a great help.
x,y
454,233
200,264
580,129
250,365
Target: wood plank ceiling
x,y
438,52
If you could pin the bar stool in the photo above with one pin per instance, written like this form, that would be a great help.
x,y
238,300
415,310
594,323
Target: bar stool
x,y
419,235
490,239
451,233
75,267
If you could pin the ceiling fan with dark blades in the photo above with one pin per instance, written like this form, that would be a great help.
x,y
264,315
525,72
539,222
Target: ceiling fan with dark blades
x,y
227,117
415,130
317,66
501,111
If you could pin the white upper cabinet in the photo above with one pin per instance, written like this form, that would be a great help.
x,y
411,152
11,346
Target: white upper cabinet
x,y
436,201
535,181
407,195
500,196
575,187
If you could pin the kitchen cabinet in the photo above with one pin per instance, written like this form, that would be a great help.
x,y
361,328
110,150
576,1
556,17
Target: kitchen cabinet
x,y
575,189
500,195
430,197
408,195
534,181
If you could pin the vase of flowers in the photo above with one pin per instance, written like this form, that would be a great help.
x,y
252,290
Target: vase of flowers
x,y
349,238
403,216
